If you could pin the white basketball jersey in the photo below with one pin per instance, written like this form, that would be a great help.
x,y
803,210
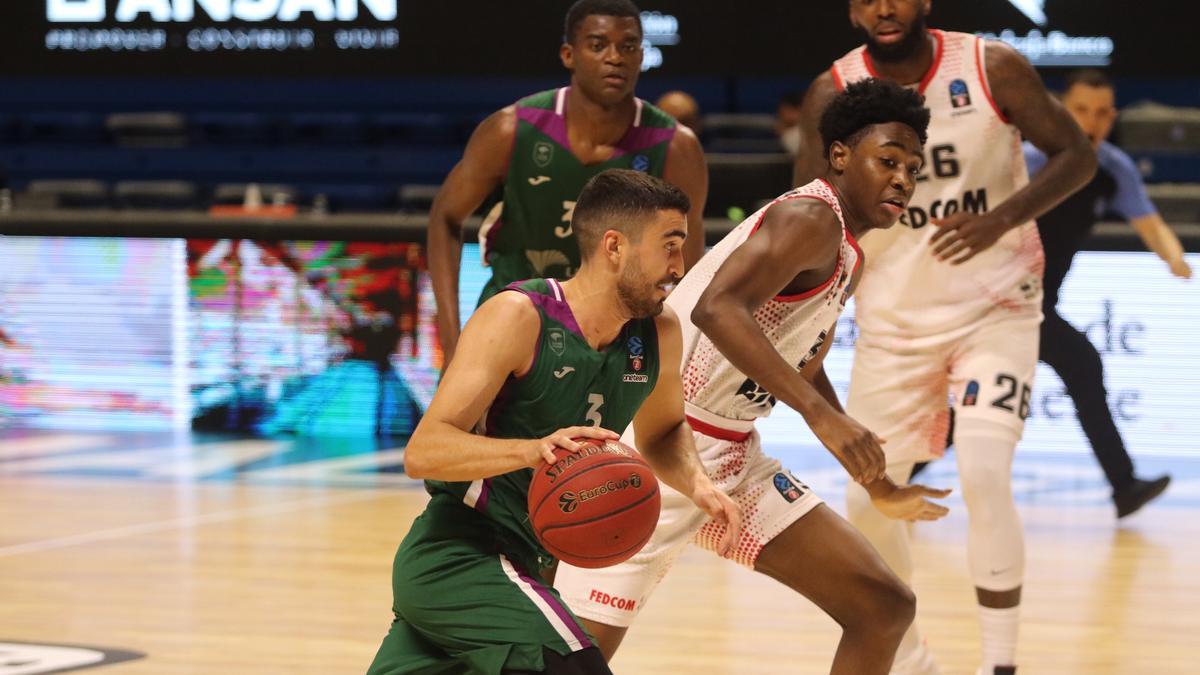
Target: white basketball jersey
x,y
716,392
973,162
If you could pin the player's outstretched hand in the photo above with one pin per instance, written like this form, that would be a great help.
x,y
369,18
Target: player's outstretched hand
x,y
1181,268
858,449
542,449
911,502
723,511
964,234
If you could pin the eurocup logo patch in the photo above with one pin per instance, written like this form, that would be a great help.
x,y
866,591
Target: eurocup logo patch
x,y
787,487
960,96
641,163
971,395
543,152
636,353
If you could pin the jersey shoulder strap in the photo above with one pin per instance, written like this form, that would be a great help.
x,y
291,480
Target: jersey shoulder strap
x,y
543,100
652,116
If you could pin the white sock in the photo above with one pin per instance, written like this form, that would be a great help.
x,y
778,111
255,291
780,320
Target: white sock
x,y
999,630
916,660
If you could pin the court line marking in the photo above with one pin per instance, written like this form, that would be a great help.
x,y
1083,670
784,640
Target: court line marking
x,y
183,523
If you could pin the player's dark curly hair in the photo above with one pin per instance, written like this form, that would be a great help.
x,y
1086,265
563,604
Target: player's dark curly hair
x,y
585,8
868,102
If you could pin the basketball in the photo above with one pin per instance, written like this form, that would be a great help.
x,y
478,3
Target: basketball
x,y
596,506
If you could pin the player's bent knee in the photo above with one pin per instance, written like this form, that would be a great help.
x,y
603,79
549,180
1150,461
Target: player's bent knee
x,y
878,604
894,608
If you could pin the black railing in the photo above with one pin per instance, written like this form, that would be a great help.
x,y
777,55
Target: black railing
x,y
365,227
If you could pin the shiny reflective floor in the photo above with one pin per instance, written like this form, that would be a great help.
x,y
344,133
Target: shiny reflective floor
x,y
184,554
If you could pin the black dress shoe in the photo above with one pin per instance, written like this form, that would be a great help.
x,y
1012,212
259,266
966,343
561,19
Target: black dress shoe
x,y
1138,494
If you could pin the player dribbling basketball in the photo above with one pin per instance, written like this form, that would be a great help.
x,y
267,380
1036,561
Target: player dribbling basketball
x,y
536,366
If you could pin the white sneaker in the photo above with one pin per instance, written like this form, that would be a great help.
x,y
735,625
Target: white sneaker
x,y
918,662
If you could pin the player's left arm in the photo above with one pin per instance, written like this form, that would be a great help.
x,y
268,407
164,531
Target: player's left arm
x,y
1134,205
900,502
665,439
1160,238
1070,160
687,170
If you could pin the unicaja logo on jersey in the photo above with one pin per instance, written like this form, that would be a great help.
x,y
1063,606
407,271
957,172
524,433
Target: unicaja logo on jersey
x,y
557,340
543,152
641,163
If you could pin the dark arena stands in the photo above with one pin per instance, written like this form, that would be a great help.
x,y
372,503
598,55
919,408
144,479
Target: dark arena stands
x,y
218,329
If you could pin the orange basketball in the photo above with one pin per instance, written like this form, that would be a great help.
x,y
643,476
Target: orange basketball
x,y
596,506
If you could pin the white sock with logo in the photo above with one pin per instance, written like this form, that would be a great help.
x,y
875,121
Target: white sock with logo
x,y
999,630
995,540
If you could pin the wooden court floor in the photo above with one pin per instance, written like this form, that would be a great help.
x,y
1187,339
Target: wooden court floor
x,y
259,556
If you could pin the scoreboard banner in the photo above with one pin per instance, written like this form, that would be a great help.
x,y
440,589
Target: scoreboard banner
x,y
390,38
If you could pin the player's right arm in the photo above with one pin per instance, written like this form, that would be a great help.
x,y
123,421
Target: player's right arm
x,y
483,167
899,502
796,236
499,341
810,158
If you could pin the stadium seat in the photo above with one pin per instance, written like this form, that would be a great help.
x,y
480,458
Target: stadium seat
x,y
1152,127
739,125
156,194
8,128
745,181
272,193
68,193
148,129
325,128
231,128
416,198
740,133
1167,166
350,197
418,129
1177,202
62,127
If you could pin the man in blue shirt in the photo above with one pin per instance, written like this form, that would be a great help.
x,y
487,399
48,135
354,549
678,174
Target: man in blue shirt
x,y
1116,188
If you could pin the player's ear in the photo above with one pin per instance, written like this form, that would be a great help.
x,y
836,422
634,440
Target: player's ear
x,y
613,243
566,53
850,9
839,156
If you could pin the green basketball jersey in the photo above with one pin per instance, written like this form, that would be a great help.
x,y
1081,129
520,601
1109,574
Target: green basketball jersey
x,y
533,236
569,384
